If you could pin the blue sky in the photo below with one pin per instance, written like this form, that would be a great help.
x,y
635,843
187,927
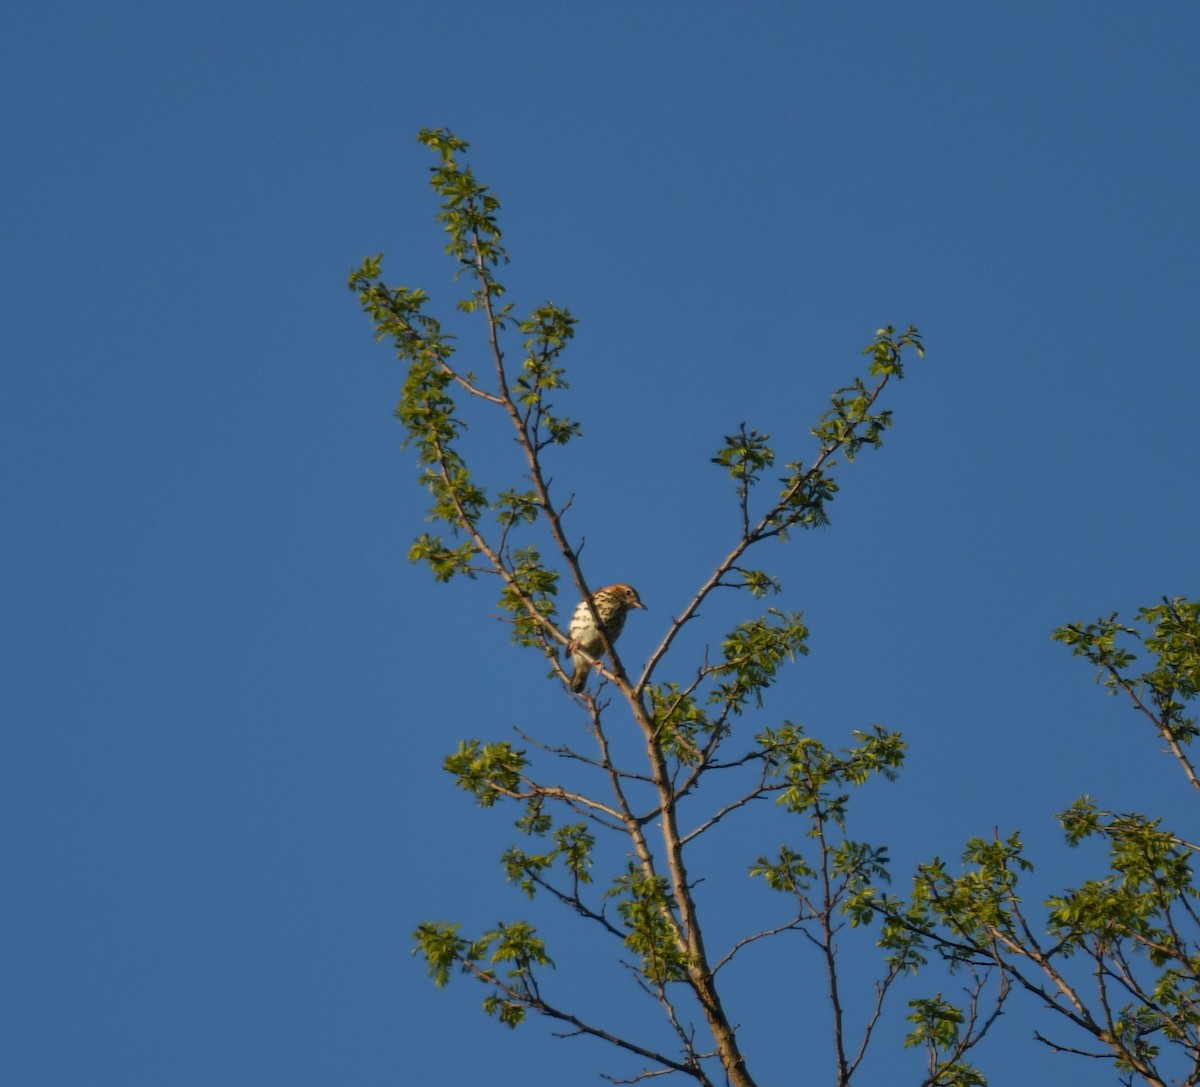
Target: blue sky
x,y
227,694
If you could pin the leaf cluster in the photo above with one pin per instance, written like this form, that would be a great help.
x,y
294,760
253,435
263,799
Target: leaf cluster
x,y
1118,955
516,945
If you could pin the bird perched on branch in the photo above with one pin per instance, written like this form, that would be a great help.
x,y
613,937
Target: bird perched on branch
x,y
585,645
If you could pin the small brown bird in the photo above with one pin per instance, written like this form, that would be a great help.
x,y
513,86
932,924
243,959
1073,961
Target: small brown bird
x,y
612,605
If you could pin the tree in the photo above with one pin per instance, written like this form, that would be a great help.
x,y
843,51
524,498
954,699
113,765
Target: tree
x,y
1117,961
618,850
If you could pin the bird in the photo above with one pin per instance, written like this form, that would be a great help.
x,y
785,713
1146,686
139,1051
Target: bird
x,y
584,643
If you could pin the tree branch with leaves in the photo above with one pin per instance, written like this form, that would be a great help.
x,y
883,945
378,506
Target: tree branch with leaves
x,y
618,853
1116,959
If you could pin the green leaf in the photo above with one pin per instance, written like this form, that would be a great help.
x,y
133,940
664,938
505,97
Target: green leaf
x,y
753,653
488,771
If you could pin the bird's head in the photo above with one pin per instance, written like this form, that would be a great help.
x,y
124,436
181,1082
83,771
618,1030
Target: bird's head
x,y
627,595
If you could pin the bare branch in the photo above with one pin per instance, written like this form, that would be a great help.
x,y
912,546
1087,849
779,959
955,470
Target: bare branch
x,y
757,793
564,752
791,926
537,1003
577,904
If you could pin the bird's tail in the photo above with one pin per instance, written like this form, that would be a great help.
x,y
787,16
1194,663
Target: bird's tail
x,y
583,664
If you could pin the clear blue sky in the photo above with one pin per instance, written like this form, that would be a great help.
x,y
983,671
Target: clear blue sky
x,y
226,694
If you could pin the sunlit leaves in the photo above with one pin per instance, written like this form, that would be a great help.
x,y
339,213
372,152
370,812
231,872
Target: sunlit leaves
x,y
938,1026
428,412
850,423
644,904
530,585
1175,640
859,865
574,846
1098,643
514,945
549,329
1135,1030
1174,680
398,312
982,897
788,872
572,849
516,507
443,560
679,722
442,947
937,1021
902,928
819,781
887,352
487,771
758,582
468,211
1151,870
818,777
753,653
745,455
457,499
803,499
